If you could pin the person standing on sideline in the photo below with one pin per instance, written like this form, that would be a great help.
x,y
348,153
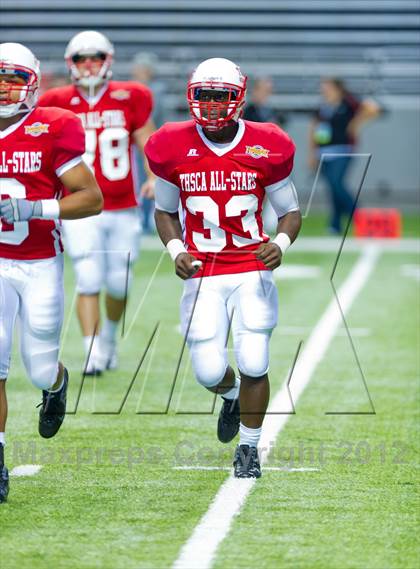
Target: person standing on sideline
x,y
333,136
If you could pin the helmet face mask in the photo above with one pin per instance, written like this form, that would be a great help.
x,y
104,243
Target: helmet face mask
x,y
19,80
216,93
89,57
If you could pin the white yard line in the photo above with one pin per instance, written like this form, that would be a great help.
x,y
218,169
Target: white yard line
x,y
302,330
26,470
412,271
200,549
267,468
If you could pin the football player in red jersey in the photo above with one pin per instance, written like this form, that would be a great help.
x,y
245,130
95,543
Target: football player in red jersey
x,y
40,154
115,115
221,168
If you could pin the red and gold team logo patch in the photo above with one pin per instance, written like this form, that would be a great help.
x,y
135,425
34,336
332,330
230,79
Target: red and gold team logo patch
x,y
257,151
37,128
120,94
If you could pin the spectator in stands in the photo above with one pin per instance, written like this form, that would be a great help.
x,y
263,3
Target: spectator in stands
x,y
259,108
334,131
144,71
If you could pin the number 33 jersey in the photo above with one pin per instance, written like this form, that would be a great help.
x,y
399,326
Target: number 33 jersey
x,y
109,119
34,152
222,188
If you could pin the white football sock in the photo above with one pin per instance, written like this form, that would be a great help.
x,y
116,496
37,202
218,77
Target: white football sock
x,y
87,343
248,436
109,331
234,392
2,439
58,388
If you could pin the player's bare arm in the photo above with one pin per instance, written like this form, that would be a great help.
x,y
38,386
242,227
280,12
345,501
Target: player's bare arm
x,y
170,232
141,136
271,253
85,200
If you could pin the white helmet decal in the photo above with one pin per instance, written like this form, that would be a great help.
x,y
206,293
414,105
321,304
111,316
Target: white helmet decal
x,y
16,59
218,75
84,44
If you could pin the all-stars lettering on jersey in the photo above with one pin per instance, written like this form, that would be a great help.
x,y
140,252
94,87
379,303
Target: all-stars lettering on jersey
x,y
222,189
215,181
30,168
23,162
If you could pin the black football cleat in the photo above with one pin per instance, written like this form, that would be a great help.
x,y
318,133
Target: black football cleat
x,y
246,463
4,477
91,369
53,410
91,372
4,484
229,419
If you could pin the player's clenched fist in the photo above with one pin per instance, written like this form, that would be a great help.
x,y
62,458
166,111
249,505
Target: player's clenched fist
x,y
186,265
13,210
270,254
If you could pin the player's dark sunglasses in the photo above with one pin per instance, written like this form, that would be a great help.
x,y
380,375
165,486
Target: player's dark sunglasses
x,y
207,95
78,58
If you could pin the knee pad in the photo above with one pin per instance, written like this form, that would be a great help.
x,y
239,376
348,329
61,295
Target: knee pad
x,y
42,369
118,277
89,273
4,368
209,363
5,350
251,350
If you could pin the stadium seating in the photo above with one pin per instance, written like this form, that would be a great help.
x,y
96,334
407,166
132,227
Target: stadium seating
x,y
371,43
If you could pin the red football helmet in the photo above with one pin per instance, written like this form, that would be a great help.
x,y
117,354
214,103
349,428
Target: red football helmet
x,y
216,93
17,60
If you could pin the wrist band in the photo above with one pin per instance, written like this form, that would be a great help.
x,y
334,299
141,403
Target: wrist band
x,y
283,241
175,247
50,209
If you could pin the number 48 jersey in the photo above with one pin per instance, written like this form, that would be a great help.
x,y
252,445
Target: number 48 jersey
x,y
222,188
109,119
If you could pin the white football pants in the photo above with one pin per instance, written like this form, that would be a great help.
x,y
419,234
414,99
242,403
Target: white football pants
x,y
102,249
33,292
247,304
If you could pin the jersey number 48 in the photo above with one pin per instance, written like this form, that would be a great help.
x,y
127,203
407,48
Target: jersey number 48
x,y
113,145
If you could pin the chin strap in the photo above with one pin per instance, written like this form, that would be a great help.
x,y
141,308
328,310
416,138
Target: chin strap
x,y
13,112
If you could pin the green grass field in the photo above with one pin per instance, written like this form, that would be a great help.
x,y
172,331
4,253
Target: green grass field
x,y
109,496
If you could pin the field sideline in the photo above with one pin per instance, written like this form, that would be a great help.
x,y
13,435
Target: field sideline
x,y
126,490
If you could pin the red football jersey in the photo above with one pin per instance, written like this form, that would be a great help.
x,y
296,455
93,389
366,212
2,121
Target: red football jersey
x,y
34,152
118,109
222,188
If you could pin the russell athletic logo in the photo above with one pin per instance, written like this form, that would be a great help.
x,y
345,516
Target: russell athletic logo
x,y
257,151
192,152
